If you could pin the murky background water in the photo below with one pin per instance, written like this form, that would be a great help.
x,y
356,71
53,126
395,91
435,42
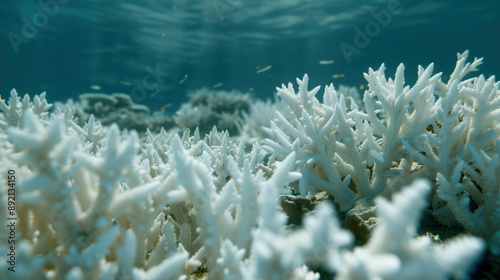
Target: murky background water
x,y
68,47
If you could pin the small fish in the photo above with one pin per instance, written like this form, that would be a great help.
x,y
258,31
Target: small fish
x,y
183,79
126,83
164,36
331,61
217,85
95,87
338,76
154,93
362,87
165,106
265,68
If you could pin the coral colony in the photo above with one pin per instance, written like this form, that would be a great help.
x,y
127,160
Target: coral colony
x,y
400,184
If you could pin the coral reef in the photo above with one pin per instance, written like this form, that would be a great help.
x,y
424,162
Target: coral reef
x,y
207,108
92,201
445,132
118,108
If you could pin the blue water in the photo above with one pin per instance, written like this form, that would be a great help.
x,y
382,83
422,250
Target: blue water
x,y
121,46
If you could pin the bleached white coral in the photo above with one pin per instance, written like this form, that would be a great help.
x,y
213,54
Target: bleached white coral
x,y
462,149
70,200
12,113
445,132
99,203
351,95
260,115
393,252
187,116
207,108
337,144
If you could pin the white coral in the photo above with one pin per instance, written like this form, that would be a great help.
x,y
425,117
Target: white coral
x,y
95,203
447,132
393,252
187,116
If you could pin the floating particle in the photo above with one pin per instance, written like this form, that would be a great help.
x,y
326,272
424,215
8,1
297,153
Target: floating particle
x,y
250,89
95,87
265,68
362,87
338,76
126,83
154,93
183,79
164,36
165,106
217,85
329,61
